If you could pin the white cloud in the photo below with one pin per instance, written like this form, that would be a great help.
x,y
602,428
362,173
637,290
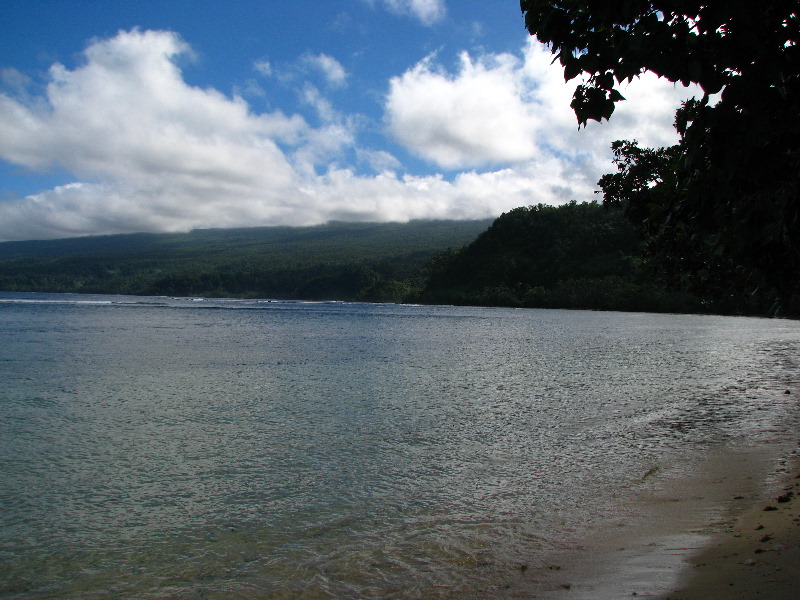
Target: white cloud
x,y
163,155
151,153
475,117
331,69
647,113
499,109
250,89
379,161
18,83
427,12
264,67
311,96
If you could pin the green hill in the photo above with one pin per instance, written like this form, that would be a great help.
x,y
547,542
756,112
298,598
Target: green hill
x,y
572,256
345,261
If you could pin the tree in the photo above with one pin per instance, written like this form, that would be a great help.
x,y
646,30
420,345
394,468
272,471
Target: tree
x,y
570,256
737,166
645,177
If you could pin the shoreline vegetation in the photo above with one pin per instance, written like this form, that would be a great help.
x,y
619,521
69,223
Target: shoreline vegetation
x,y
575,256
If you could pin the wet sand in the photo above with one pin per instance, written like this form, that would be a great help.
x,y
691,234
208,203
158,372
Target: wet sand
x,y
758,556
692,532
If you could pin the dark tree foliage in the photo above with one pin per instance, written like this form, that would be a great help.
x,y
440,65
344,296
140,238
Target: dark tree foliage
x,y
735,189
642,185
571,256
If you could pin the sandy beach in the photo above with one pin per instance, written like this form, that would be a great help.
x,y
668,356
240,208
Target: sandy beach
x,y
758,556
729,529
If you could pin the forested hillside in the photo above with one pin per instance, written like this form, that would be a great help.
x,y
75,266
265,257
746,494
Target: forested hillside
x,y
574,256
343,261
578,255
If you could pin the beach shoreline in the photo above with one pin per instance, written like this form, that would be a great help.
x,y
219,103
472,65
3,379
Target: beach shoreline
x,y
758,555
693,532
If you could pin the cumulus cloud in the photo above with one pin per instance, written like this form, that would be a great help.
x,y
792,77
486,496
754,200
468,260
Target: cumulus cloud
x,y
475,117
162,155
503,109
150,152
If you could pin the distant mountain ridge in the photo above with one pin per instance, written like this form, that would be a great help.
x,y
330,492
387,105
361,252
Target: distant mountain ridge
x,y
370,261
430,233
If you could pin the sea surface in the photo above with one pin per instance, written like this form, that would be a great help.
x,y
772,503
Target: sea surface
x,y
201,448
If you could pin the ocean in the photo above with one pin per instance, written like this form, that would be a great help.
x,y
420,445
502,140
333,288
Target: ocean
x,y
158,447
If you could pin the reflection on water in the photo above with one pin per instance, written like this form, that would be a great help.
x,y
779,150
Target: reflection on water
x,y
156,447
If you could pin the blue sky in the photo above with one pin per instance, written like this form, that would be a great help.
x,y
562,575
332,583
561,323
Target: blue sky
x,y
144,115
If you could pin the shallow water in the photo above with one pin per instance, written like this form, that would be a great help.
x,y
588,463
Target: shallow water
x,y
187,448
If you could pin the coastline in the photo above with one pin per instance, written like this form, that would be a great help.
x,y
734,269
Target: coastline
x,y
694,531
758,555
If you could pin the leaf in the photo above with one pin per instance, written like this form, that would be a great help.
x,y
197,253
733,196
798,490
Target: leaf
x,y
616,96
571,68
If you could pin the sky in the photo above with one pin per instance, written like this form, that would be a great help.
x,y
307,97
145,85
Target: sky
x,y
122,116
